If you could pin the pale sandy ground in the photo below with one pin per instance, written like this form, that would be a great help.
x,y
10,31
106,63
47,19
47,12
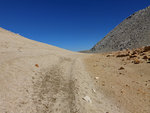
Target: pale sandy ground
x,y
39,78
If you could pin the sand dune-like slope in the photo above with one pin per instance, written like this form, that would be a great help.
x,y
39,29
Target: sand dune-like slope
x,y
40,78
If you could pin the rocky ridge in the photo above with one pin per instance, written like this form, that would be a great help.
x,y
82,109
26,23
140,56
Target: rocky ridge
x,y
133,32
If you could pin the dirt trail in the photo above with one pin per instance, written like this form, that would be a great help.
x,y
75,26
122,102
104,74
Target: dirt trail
x,y
53,90
62,87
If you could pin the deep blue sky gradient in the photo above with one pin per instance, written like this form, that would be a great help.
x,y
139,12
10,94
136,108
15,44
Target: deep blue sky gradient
x,y
71,24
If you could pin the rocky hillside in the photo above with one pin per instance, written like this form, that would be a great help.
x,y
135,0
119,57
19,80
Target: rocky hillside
x,y
133,32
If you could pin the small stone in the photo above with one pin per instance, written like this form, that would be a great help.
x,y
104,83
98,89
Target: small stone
x,y
124,63
145,57
134,52
121,68
94,90
87,99
103,84
147,48
121,91
141,54
36,65
122,55
148,60
136,61
110,55
127,85
133,56
96,78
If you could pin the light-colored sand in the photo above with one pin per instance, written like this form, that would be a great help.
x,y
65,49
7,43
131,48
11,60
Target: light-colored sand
x,y
39,78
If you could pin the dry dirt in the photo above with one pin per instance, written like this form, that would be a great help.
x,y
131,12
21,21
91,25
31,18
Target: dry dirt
x,y
39,78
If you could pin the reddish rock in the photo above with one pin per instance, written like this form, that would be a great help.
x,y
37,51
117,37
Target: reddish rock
x,y
128,51
36,65
136,61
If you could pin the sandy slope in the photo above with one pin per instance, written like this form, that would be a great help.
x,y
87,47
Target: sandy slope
x,y
39,78
129,87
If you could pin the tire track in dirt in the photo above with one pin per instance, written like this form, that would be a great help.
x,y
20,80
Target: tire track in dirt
x,y
53,90
72,104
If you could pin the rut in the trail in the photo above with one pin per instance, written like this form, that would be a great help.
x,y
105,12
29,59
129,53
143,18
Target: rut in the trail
x,y
54,89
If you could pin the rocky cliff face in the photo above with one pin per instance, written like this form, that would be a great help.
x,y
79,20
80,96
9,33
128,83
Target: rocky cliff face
x,y
133,32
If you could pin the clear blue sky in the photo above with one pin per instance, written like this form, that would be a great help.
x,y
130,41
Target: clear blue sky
x,y
71,24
